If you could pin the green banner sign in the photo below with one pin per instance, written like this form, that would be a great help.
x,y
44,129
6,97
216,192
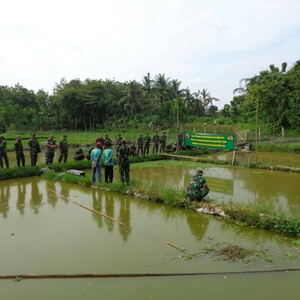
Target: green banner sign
x,y
206,140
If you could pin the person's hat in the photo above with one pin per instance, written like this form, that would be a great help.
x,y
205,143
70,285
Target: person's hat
x,y
108,144
98,144
199,172
124,141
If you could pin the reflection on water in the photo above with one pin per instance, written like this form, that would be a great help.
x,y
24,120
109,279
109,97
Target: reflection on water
x,y
58,237
278,189
4,200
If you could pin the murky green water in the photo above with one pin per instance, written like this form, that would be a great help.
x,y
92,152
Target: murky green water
x,y
277,189
267,158
44,233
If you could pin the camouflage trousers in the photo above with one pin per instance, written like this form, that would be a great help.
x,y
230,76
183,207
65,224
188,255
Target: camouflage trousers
x,y
3,155
140,148
20,158
124,170
146,149
155,148
33,158
196,194
63,156
49,156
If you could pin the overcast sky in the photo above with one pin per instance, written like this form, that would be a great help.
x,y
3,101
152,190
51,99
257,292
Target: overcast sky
x,y
210,44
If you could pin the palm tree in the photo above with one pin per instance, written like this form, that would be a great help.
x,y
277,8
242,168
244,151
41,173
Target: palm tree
x,y
199,107
175,88
147,86
189,99
162,88
133,96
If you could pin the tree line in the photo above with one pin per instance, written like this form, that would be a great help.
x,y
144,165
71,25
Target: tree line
x,y
93,104
273,95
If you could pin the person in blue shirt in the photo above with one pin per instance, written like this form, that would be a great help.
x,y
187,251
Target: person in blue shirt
x,y
96,162
108,163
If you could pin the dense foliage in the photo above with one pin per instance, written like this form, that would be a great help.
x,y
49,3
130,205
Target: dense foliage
x,y
93,104
274,94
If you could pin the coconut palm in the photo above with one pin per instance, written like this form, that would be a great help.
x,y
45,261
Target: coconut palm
x,y
161,88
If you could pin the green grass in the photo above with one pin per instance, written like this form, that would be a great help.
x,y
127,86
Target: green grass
x,y
249,215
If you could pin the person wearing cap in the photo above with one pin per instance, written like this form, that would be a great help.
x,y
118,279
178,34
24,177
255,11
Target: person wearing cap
x,y
197,188
63,147
35,148
96,162
18,146
3,154
124,164
101,140
108,163
163,142
140,145
50,149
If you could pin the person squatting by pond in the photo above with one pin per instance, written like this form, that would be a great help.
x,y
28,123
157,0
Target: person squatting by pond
x,y
18,147
63,147
197,188
96,162
79,155
3,154
108,163
50,150
124,164
35,148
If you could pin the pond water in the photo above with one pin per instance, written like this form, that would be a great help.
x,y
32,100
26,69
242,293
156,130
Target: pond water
x,y
43,231
279,190
267,158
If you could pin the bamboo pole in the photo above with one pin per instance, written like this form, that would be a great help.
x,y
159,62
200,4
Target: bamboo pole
x,y
19,277
181,249
90,209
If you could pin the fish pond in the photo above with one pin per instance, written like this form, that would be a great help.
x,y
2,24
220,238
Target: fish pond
x,y
49,228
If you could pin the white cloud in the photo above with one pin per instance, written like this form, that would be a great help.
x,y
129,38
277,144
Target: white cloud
x,y
204,44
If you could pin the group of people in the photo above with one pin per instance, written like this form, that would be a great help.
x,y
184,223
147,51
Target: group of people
x,y
197,188
34,150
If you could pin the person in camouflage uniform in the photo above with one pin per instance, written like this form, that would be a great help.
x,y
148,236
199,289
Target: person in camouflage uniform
x,y
35,148
147,141
18,146
155,141
50,149
197,188
101,140
124,164
63,147
140,145
107,141
3,154
180,140
118,143
163,142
